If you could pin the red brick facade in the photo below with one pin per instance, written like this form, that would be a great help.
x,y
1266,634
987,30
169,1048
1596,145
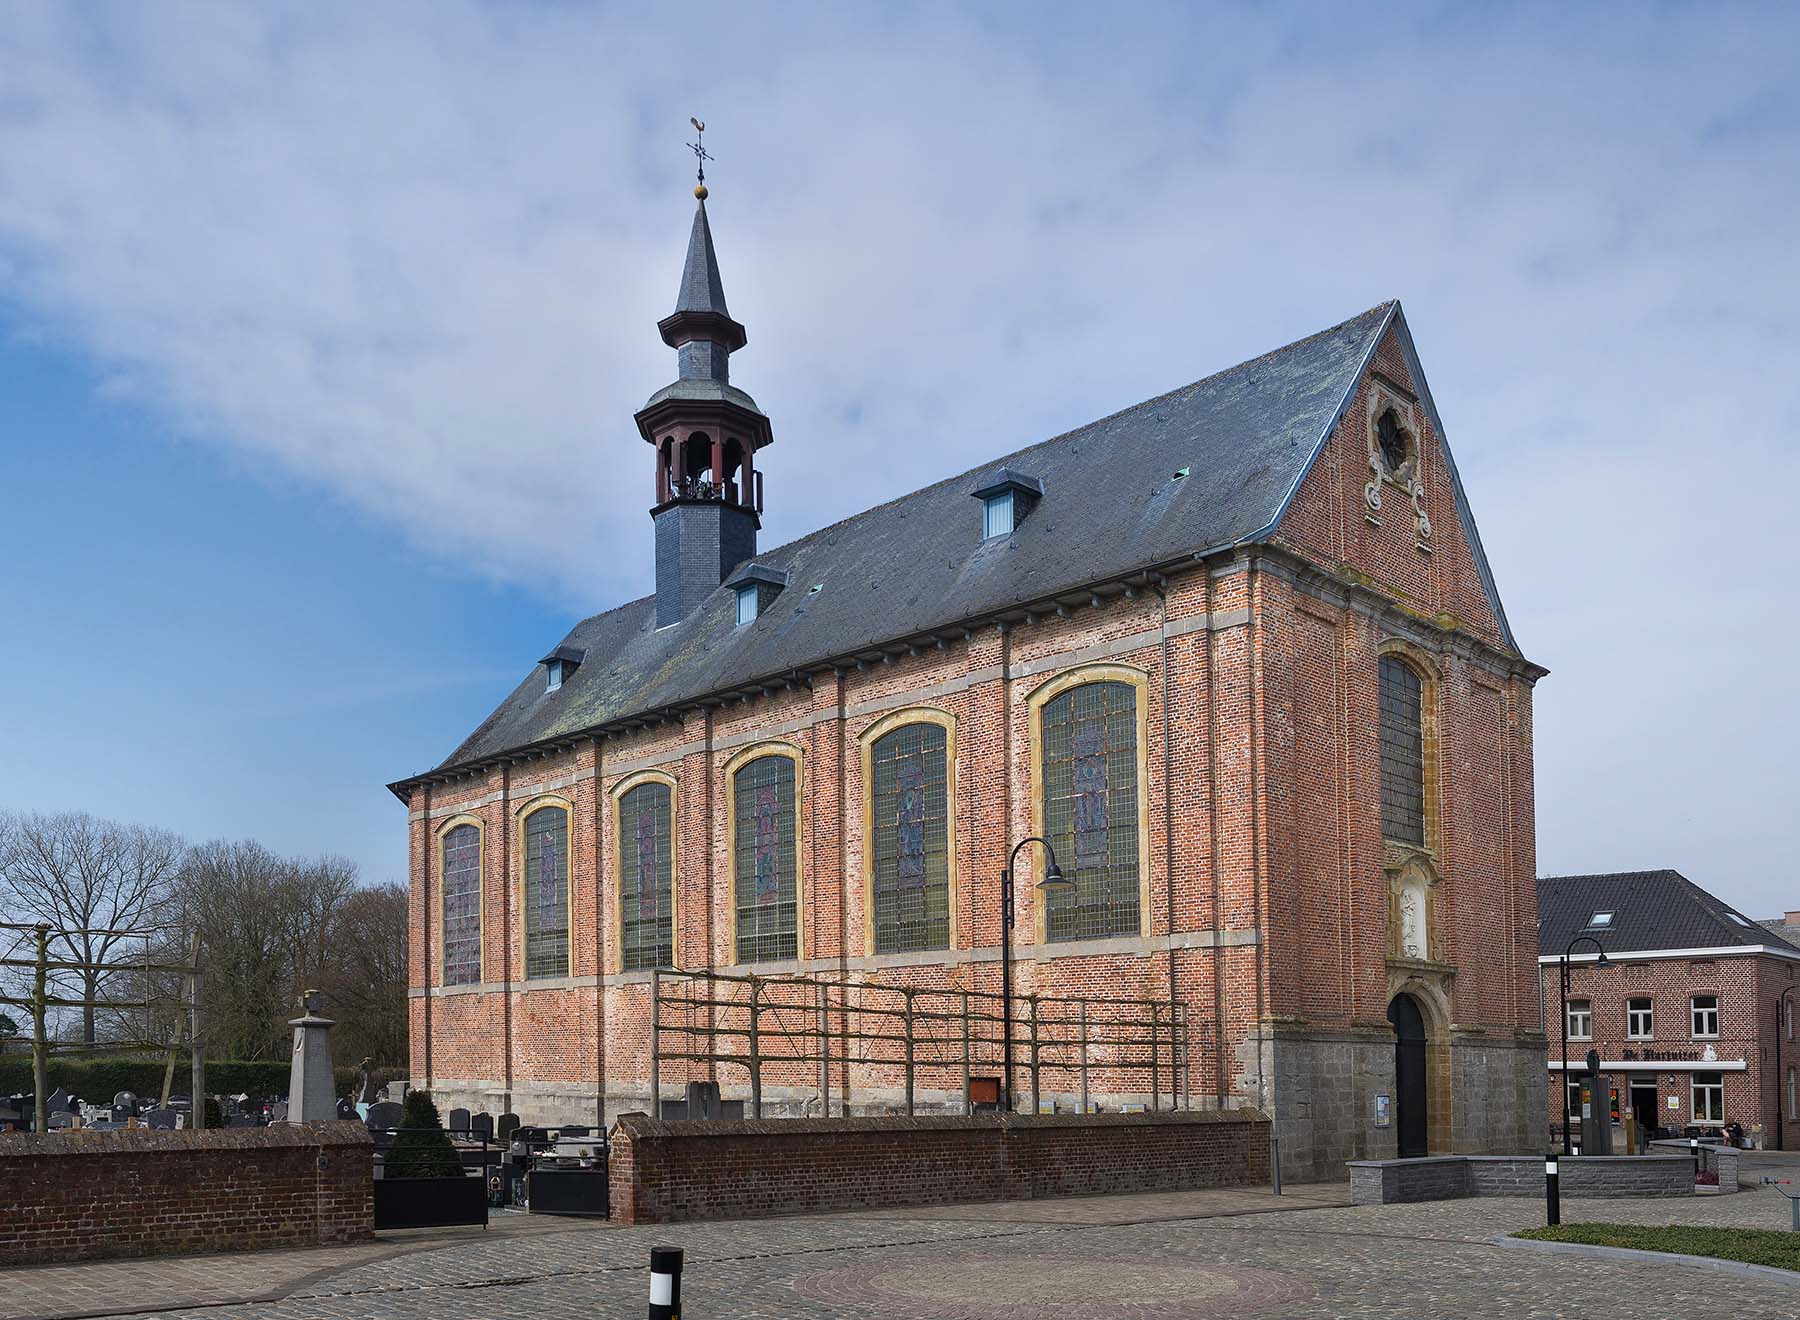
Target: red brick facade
x,y
85,1195
1270,896
1743,1052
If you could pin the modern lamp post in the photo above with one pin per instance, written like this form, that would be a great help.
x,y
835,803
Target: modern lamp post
x,y
1599,962
1052,883
1780,1080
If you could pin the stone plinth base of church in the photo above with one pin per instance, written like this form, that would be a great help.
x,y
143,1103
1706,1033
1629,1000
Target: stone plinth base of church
x,y
1324,1088
1451,1177
667,1172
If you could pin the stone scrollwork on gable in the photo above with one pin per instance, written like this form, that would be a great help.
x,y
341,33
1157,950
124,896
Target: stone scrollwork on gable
x,y
1394,453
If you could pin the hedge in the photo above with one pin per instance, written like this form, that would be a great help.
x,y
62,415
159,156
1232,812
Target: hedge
x,y
97,1080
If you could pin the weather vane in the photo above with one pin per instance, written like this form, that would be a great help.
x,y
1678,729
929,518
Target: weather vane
x,y
698,147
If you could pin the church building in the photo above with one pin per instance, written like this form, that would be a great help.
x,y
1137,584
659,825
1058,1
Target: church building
x,y
1234,653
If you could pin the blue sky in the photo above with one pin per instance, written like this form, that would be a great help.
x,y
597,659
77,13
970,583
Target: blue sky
x,y
321,327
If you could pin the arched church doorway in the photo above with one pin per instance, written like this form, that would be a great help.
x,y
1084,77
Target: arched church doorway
x,y
1410,1091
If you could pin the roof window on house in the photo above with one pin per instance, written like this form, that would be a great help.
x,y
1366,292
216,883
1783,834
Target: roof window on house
x,y
1600,921
559,665
1005,500
1735,917
754,586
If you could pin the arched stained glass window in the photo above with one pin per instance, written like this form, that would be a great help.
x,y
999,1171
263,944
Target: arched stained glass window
x,y
1402,753
547,892
765,860
1090,779
646,876
910,820
462,905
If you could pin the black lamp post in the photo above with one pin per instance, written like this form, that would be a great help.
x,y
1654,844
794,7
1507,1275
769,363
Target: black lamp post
x,y
1052,883
1780,1088
1599,962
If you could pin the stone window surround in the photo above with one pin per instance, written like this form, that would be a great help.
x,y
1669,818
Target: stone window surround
x,y
617,795
439,835
741,758
866,740
522,814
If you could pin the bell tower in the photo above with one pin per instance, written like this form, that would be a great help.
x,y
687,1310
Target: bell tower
x,y
705,433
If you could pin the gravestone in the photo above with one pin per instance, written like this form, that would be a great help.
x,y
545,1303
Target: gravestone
x,y
163,1120
387,1114
312,1096
59,1101
278,1112
10,1119
482,1125
61,1118
459,1121
702,1099
509,1124
346,1110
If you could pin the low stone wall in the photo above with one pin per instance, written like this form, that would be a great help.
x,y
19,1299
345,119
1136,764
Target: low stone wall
x,y
76,1195
1722,1160
664,1172
1449,1177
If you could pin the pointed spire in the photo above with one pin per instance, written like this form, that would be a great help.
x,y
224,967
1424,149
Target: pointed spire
x,y
702,290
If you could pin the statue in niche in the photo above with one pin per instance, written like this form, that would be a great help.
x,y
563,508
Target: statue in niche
x,y
1414,942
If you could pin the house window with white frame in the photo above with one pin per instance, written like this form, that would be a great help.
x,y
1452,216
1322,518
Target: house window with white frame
x,y
1581,1019
1706,1016
1709,1097
1640,1018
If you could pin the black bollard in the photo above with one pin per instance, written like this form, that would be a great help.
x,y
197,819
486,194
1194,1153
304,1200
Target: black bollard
x,y
1694,1146
665,1283
1552,1192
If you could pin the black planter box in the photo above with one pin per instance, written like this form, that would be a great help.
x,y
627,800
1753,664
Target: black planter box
x,y
430,1202
568,1192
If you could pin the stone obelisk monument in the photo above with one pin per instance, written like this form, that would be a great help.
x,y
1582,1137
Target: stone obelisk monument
x,y
312,1097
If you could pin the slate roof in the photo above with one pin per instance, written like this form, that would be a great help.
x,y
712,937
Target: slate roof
x,y
702,287
1651,910
1112,505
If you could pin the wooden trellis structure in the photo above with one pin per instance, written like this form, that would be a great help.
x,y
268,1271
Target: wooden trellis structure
x,y
139,1016
890,1042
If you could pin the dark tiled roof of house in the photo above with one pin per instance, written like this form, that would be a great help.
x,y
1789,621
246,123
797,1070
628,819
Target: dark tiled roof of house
x,y
1203,468
1650,910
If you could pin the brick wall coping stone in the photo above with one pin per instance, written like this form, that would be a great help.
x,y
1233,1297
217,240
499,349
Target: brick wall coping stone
x,y
131,1141
642,1127
1453,1177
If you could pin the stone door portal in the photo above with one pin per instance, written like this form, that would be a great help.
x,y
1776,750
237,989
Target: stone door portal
x,y
1409,1075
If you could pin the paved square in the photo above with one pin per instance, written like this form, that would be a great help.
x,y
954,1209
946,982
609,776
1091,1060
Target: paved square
x,y
1174,1256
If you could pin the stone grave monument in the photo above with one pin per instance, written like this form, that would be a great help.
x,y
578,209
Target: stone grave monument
x,y
312,1097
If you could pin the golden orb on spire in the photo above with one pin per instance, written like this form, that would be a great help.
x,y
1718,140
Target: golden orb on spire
x,y
700,191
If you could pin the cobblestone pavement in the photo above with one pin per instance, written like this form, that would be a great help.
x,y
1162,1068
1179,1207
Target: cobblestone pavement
x,y
1410,1260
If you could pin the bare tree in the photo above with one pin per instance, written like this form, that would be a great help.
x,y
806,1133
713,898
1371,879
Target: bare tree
x,y
365,980
96,883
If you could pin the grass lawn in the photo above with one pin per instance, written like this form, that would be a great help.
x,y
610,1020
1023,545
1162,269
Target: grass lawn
x,y
1753,1246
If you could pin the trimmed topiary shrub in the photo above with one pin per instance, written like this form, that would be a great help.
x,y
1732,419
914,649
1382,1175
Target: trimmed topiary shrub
x,y
422,1148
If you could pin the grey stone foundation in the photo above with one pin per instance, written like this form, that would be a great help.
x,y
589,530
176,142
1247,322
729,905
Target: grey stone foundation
x,y
1322,1087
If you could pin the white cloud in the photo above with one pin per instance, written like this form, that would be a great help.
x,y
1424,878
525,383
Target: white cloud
x,y
413,255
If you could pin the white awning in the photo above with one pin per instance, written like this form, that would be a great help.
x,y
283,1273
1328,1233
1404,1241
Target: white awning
x,y
1656,1065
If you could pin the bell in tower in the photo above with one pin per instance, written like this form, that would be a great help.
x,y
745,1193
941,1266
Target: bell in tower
x,y
706,434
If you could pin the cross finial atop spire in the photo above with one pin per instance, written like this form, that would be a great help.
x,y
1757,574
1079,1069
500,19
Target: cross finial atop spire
x,y
698,147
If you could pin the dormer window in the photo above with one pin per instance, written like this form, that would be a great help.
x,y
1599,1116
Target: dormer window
x,y
1005,500
754,586
559,665
996,515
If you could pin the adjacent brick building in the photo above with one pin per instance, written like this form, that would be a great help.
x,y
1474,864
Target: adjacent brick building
x,y
1235,651
1686,1014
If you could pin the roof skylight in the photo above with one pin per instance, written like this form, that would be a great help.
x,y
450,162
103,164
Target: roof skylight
x,y
1600,920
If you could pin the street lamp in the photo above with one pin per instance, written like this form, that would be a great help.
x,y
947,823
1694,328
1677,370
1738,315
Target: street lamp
x,y
1599,962
1780,1090
1054,882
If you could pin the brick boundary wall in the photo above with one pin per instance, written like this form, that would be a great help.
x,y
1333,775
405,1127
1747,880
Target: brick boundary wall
x,y
83,1195
668,1171
1452,1177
